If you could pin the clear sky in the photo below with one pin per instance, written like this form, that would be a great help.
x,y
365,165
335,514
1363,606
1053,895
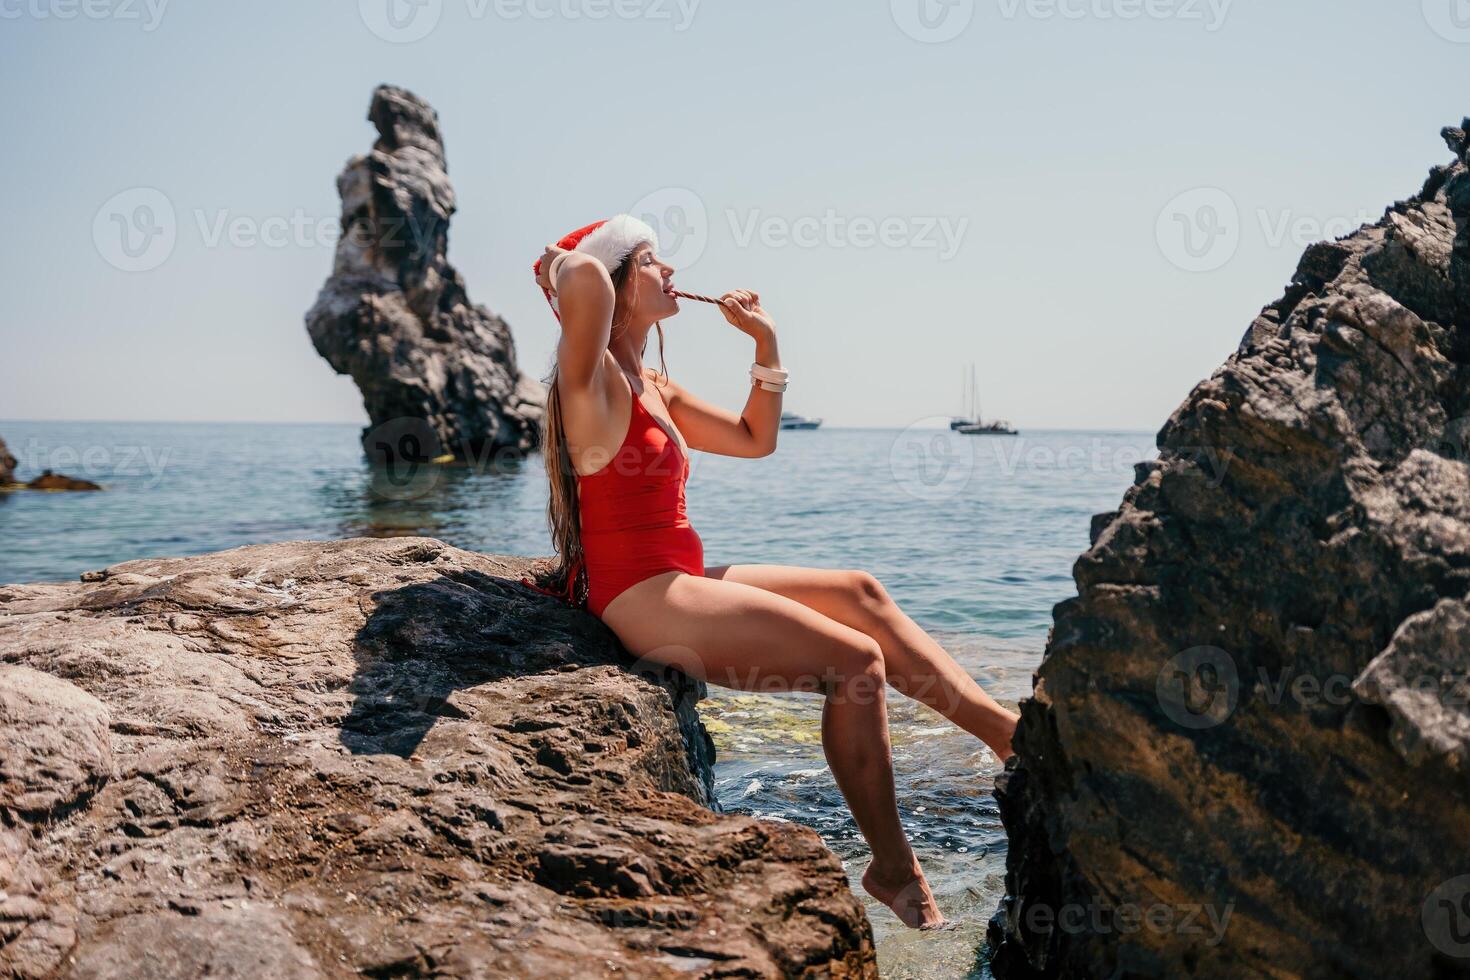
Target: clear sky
x,y
1090,199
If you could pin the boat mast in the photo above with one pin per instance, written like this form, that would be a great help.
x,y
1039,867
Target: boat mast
x,y
974,394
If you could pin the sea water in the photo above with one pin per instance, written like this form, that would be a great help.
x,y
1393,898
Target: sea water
x,y
973,536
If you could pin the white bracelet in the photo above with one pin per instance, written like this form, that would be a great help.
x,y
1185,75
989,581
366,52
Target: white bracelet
x,y
758,370
768,385
554,268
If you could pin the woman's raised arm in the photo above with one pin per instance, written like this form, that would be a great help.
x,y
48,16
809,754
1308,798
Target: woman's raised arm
x,y
584,294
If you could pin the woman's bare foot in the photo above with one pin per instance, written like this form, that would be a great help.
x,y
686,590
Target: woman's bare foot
x,y
905,892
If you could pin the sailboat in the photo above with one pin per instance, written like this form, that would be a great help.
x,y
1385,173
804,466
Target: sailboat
x,y
974,425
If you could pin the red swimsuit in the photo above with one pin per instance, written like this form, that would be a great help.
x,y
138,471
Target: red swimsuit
x,y
632,516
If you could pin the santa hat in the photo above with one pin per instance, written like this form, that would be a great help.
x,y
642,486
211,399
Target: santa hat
x,y
609,242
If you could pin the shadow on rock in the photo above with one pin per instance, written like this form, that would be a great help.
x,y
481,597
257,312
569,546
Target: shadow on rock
x,y
425,641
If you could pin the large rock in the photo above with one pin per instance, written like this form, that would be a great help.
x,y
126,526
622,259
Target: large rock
x,y
7,465
438,374
373,757
1248,748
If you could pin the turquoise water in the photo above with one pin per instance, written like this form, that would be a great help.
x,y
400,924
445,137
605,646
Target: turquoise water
x,y
973,536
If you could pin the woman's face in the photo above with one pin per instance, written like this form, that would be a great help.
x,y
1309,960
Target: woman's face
x,y
650,289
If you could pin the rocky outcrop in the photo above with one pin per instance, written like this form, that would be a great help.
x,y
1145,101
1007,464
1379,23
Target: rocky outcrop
x,y
380,758
1248,748
438,374
56,481
46,481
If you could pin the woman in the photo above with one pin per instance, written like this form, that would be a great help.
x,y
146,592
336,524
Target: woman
x,y
618,436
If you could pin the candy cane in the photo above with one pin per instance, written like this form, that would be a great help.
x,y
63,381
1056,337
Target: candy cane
x,y
702,299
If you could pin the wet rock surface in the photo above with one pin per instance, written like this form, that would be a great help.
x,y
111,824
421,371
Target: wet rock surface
x,y
1251,724
438,374
377,757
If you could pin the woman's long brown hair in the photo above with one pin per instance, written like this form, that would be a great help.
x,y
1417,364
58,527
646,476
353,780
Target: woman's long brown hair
x,y
561,506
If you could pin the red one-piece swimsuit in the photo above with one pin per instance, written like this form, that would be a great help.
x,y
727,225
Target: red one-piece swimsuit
x,y
632,514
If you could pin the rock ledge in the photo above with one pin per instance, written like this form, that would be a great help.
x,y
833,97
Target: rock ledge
x,y
378,757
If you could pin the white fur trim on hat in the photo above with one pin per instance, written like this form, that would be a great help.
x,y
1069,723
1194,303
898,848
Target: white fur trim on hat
x,y
612,241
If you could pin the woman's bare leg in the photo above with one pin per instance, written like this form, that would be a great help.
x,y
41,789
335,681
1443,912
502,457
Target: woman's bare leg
x,y
914,662
751,639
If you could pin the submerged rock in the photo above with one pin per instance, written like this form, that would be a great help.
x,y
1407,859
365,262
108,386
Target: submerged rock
x,y
46,481
379,757
1248,748
56,481
437,373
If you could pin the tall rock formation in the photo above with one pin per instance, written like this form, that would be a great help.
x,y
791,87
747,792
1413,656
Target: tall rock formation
x,y
438,374
1248,748
373,758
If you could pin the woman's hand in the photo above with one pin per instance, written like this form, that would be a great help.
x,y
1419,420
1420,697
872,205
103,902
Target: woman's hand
x,y
743,309
543,271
